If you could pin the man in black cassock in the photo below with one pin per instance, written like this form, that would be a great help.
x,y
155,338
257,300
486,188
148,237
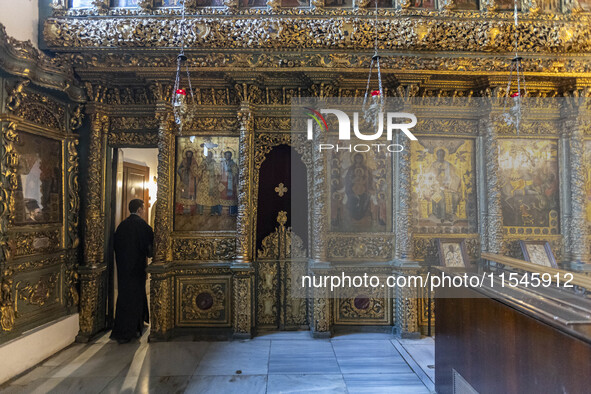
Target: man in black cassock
x,y
133,243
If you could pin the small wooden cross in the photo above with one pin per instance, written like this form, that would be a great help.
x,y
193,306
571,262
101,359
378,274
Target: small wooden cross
x,y
281,189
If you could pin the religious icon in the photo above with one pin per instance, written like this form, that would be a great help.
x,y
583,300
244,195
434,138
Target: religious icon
x,y
360,192
507,5
442,184
529,182
538,252
452,253
206,184
38,195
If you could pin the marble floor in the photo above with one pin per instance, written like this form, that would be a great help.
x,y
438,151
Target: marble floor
x,y
282,362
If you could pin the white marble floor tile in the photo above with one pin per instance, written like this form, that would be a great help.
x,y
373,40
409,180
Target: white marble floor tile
x,y
169,359
424,355
242,384
292,384
362,336
282,335
369,348
421,341
301,348
407,383
66,355
373,365
287,364
226,358
80,385
145,385
40,372
99,360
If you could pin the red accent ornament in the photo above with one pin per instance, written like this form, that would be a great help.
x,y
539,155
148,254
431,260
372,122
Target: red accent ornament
x,y
181,91
516,94
375,93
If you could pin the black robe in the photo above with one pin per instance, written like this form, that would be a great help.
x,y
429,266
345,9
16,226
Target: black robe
x,y
133,244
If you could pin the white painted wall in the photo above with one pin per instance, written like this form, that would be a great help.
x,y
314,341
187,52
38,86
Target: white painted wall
x,y
21,18
145,157
36,345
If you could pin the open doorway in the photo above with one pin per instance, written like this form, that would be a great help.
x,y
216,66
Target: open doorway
x,y
134,175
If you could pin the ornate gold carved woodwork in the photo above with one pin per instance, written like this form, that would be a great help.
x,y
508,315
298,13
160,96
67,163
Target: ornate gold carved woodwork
x,y
39,292
121,123
21,58
296,299
406,307
493,221
211,124
282,243
356,247
267,294
36,263
27,243
143,138
163,226
578,231
161,304
335,61
9,181
7,301
242,303
92,301
37,108
403,212
363,306
245,219
272,124
426,312
16,97
281,190
535,35
73,196
76,118
203,301
95,214
321,309
204,249
146,5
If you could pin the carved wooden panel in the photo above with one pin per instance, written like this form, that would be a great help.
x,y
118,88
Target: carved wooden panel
x,y
203,301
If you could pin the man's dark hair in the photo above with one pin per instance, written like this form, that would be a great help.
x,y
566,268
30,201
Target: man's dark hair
x,y
135,204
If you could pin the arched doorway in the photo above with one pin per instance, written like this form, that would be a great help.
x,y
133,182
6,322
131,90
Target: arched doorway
x,y
281,240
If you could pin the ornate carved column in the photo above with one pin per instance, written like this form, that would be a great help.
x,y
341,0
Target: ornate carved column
x,y
160,278
242,279
402,210
494,215
93,271
406,302
321,311
576,231
244,220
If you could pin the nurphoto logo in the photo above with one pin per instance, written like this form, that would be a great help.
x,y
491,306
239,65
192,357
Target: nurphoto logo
x,y
402,121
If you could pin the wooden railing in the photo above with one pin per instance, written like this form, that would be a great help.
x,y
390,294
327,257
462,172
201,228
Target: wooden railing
x,y
577,278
